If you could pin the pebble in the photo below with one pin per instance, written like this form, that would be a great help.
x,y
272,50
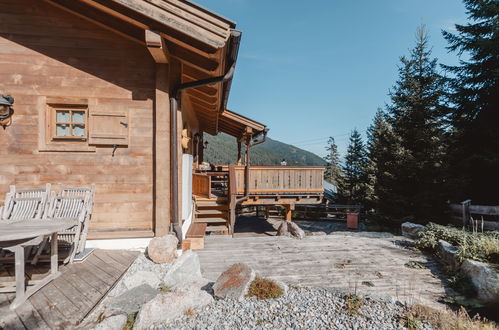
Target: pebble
x,y
300,308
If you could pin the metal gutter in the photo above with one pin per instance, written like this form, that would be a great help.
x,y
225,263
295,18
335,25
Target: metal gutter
x,y
227,77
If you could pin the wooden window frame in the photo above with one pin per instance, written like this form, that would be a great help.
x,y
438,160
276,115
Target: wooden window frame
x,y
53,122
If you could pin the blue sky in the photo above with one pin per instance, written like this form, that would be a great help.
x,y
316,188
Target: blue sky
x,y
319,68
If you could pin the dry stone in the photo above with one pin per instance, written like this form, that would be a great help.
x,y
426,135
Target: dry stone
x,y
295,230
163,249
283,229
411,230
185,268
448,253
131,301
234,282
485,279
116,322
166,307
140,278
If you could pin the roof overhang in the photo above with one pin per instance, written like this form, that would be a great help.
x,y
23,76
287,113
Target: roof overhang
x,y
237,125
204,44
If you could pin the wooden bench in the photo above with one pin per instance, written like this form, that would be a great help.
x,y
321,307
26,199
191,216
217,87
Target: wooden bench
x,y
195,236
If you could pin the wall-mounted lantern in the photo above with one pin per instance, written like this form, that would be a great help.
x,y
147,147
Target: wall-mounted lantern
x,y
6,110
205,144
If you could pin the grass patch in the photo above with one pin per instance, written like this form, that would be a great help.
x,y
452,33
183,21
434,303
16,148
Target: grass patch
x,y
445,320
353,303
479,246
414,265
130,321
264,288
165,289
189,312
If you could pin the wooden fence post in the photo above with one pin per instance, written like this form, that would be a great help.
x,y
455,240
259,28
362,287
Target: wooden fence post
x,y
466,211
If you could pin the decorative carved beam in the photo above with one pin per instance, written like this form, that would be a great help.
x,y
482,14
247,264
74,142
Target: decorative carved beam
x,y
156,46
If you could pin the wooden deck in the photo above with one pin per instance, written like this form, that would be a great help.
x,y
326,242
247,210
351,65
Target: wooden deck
x,y
345,261
65,302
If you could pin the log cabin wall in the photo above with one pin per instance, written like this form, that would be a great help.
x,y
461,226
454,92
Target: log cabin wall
x,y
45,53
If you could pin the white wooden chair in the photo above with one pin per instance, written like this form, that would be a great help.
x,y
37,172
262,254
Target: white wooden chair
x,y
22,205
71,204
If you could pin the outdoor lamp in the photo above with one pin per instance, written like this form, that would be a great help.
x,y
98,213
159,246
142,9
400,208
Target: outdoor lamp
x,y
205,144
6,110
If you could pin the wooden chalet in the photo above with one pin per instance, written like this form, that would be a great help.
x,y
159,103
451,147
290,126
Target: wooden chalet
x,y
119,93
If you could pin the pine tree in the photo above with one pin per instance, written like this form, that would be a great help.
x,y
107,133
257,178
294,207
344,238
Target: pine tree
x,y
333,172
416,116
474,115
354,186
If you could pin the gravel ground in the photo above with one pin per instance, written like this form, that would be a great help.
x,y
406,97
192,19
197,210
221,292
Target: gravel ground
x,y
300,308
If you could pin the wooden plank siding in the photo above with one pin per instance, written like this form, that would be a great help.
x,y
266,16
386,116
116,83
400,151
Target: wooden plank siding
x,y
47,52
281,180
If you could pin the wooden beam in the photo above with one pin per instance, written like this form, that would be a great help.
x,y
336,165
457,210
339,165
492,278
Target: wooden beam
x,y
156,46
162,151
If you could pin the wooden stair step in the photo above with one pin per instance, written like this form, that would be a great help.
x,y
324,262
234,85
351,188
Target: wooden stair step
x,y
220,207
217,228
210,220
197,230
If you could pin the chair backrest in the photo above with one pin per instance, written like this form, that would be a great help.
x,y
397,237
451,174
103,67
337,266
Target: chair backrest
x,y
71,203
22,205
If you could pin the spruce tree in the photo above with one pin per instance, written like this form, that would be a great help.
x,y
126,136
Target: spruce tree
x,y
333,172
354,186
474,115
415,114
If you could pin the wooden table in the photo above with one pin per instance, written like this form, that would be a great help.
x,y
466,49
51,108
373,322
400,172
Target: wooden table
x,y
15,236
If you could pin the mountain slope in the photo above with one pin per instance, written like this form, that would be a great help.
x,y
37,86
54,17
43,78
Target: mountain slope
x,y
222,149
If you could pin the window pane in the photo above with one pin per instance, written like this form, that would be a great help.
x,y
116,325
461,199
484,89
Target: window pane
x,y
62,116
79,117
78,130
62,130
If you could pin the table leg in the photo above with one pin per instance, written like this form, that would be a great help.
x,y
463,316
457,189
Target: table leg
x,y
53,254
20,279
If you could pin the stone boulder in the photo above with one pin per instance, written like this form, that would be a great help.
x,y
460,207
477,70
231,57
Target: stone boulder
x,y
295,230
411,230
283,229
448,253
484,278
116,322
130,301
234,283
185,268
163,249
317,233
139,278
166,307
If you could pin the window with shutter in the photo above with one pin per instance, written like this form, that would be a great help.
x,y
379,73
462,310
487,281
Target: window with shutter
x,y
108,127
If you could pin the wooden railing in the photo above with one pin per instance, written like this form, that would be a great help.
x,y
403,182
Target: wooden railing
x,y
201,185
232,197
281,180
485,216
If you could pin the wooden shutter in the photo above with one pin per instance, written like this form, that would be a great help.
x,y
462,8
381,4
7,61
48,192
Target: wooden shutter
x,y
108,127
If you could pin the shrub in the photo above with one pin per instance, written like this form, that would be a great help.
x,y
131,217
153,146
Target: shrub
x,y
264,288
480,246
353,303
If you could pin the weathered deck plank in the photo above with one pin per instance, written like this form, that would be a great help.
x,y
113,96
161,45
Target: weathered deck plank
x,y
64,302
341,261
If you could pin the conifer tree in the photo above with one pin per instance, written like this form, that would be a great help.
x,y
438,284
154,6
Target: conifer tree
x,y
333,172
474,115
354,186
415,115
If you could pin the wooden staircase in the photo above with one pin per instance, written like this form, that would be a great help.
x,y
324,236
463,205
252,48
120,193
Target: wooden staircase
x,y
214,212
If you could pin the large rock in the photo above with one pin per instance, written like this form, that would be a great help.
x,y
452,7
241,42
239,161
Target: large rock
x,y
234,282
139,278
185,268
448,253
295,230
283,229
484,278
163,249
166,307
130,301
116,322
411,230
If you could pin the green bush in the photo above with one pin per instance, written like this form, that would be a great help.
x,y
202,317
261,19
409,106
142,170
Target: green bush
x,y
480,246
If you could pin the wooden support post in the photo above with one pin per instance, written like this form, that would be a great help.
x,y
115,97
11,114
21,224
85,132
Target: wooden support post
x,y
267,212
162,151
289,211
201,148
239,156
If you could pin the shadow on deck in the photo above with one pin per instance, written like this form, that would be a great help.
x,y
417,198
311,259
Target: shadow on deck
x,y
65,301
